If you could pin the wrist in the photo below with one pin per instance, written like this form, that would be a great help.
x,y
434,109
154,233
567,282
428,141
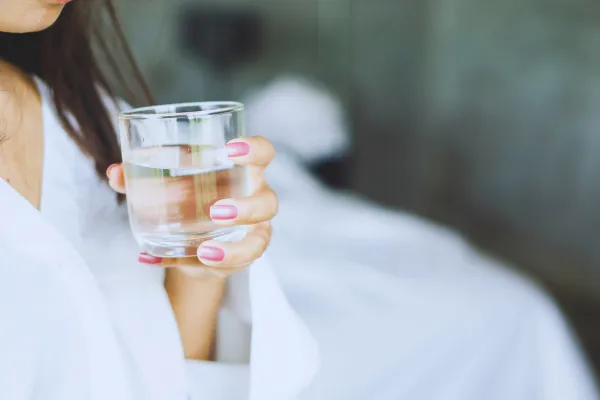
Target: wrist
x,y
182,280
196,302
196,275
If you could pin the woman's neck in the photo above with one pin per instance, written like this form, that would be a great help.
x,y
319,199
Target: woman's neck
x,y
21,130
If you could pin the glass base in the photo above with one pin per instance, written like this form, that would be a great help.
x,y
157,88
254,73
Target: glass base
x,y
186,245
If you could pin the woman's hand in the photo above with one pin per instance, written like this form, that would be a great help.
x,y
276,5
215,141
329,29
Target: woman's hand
x,y
195,293
255,211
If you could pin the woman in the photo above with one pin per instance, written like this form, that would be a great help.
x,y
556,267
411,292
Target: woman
x,y
81,319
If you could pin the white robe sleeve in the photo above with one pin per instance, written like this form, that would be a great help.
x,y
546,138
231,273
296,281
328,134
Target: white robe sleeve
x,y
42,347
217,380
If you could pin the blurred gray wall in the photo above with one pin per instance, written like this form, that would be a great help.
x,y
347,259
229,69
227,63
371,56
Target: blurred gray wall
x,y
483,114
512,113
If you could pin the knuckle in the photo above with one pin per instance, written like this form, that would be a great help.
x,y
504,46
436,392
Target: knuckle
x,y
252,212
274,201
269,230
260,249
263,238
253,249
260,139
236,256
230,258
267,150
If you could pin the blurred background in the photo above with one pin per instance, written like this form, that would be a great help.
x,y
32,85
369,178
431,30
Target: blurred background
x,y
479,114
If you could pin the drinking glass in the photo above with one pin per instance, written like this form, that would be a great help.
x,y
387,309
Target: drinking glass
x,y
176,168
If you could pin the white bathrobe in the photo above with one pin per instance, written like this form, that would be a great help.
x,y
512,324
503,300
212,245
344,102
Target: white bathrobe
x,y
400,309
81,319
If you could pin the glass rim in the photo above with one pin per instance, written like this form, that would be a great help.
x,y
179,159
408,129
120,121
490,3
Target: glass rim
x,y
223,107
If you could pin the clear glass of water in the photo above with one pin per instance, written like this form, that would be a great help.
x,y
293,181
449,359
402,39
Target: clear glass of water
x,y
176,168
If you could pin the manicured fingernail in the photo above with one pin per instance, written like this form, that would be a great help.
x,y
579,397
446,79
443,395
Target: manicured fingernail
x,y
209,253
237,149
146,258
223,212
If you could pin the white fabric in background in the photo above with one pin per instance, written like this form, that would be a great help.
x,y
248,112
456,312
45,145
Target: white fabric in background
x,y
401,308
298,115
404,309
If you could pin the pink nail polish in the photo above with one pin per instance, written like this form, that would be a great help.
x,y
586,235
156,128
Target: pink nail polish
x,y
146,258
237,149
223,212
209,253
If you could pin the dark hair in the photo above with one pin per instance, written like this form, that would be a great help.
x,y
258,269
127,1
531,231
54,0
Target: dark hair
x,y
65,56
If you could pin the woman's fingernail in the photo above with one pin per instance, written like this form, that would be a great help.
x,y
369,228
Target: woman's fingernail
x,y
223,212
211,253
237,149
146,258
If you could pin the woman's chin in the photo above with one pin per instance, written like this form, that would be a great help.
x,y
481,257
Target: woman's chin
x,y
34,21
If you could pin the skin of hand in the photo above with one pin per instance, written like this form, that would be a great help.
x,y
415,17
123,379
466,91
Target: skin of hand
x,y
254,211
196,285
